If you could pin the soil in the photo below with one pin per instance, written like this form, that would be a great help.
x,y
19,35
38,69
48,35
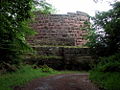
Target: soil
x,y
60,82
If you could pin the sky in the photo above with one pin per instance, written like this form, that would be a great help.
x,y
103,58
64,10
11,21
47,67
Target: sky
x,y
87,6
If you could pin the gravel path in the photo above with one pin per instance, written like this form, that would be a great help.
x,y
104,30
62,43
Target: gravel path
x,y
60,82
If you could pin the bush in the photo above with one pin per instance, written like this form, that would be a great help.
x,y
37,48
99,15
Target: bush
x,y
107,72
106,81
45,68
113,58
109,67
109,64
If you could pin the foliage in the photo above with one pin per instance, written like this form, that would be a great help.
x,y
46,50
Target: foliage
x,y
106,81
109,1
113,59
104,39
42,6
60,46
15,18
110,67
14,28
45,68
106,72
24,75
45,57
20,77
109,64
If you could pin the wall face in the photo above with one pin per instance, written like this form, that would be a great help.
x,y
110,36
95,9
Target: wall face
x,y
71,58
57,29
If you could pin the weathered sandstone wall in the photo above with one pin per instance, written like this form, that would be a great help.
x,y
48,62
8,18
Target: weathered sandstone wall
x,y
59,29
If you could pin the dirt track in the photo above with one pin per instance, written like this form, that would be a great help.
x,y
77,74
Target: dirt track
x,y
60,82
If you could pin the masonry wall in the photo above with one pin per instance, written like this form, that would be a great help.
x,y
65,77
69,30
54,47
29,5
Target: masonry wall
x,y
71,58
58,29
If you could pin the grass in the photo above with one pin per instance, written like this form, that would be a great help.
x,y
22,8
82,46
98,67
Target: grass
x,y
106,80
24,75
59,46
66,71
47,57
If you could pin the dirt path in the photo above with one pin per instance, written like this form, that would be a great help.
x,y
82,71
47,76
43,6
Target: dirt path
x,y
60,82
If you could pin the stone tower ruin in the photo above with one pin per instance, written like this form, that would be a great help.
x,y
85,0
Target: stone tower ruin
x,y
59,29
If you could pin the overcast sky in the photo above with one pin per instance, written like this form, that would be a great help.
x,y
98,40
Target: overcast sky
x,y
88,6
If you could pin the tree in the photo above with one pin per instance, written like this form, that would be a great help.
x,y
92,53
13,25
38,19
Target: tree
x,y
96,1
43,7
14,14
108,42
14,17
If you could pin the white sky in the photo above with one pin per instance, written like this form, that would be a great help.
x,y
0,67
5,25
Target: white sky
x,y
88,6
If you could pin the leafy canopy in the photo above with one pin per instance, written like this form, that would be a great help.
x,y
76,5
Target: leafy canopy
x,y
104,36
14,27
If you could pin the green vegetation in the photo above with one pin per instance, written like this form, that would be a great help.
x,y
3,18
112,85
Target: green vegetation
x,y
46,57
14,28
15,19
104,41
25,74
104,36
22,76
107,72
109,64
42,6
60,46
107,81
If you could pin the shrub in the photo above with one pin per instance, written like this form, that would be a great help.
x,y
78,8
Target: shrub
x,y
113,58
45,68
106,81
109,64
109,67
107,72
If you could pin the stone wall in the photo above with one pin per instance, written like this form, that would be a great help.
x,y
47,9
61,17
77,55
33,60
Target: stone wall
x,y
59,29
71,58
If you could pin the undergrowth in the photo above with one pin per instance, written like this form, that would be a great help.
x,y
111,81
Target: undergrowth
x,y
106,81
106,73
22,76
26,74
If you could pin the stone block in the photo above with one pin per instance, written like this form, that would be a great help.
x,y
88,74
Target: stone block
x,y
59,24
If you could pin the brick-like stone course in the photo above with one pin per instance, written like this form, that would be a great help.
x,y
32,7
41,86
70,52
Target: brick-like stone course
x,y
58,29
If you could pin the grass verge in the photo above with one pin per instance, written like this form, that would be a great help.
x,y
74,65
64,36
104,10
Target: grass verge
x,y
24,75
106,80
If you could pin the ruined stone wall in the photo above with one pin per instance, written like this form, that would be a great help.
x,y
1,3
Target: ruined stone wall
x,y
71,58
58,29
